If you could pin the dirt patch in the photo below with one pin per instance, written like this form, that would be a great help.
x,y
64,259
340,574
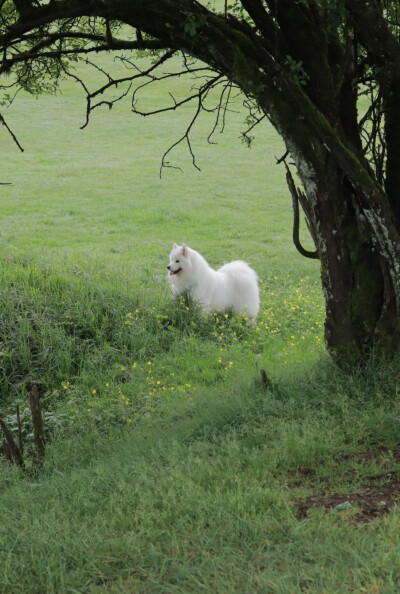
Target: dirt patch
x,y
381,455
376,496
372,502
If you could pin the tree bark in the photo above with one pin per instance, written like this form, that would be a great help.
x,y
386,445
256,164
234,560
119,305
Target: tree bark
x,y
392,132
37,423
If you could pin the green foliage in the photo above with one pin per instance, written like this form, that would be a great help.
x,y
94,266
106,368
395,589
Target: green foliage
x,y
193,22
297,70
237,9
52,422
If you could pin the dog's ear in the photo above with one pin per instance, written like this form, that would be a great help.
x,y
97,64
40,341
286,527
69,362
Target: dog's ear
x,y
174,246
184,249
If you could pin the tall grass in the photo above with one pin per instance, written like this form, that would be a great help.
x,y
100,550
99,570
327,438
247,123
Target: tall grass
x,y
199,499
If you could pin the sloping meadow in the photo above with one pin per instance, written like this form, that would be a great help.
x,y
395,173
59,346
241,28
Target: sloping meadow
x,y
172,463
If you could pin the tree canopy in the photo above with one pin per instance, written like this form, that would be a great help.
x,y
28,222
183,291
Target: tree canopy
x,y
303,64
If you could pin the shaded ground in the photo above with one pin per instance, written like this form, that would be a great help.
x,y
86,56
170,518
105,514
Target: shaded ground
x,y
374,494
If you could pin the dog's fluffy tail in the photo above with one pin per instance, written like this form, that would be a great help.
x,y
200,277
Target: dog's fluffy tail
x,y
238,268
244,279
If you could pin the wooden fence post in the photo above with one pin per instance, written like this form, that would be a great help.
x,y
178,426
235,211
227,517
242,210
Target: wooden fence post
x,y
37,422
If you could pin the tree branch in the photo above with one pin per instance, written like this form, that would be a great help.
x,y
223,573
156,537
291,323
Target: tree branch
x,y
202,92
7,127
267,27
373,32
296,218
221,107
11,447
34,53
23,6
115,82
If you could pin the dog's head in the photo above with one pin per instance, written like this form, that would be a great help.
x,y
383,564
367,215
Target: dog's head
x,y
178,259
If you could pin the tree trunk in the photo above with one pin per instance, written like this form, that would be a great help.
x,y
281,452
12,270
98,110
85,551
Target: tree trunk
x,y
392,133
351,276
360,297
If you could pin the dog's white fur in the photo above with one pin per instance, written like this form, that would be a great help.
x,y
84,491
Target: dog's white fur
x,y
234,286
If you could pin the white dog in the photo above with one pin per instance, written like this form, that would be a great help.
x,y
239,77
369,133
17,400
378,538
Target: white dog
x,y
234,286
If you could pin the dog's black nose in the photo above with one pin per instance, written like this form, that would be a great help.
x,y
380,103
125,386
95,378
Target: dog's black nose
x,y
168,267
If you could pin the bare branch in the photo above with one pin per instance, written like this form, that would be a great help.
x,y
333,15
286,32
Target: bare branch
x,y
373,32
20,442
109,104
202,92
37,423
296,218
15,139
371,130
111,83
176,103
35,53
245,135
12,449
283,158
164,163
222,106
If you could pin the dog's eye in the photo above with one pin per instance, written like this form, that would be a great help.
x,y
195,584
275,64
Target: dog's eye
x,y
176,261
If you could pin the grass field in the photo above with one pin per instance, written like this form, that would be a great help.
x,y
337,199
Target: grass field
x,y
169,466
